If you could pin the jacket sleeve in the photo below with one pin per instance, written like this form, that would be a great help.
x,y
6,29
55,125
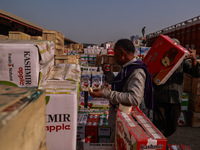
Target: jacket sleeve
x,y
189,69
133,90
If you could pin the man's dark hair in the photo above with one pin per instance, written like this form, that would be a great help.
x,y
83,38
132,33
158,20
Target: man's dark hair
x,y
126,44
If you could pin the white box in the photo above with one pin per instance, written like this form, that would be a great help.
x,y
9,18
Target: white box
x,y
21,61
61,121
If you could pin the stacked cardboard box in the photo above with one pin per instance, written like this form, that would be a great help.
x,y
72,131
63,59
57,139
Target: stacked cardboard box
x,y
91,128
61,89
18,35
22,118
192,86
3,37
25,63
57,38
36,37
66,59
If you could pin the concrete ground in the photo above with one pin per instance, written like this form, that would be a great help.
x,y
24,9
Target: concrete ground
x,y
186,135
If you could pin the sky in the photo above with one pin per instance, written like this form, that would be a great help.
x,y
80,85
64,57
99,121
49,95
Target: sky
x,y
99,21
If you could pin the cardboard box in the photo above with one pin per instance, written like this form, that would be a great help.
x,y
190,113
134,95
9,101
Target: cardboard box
x,y
194,119
163,58
183,119
61,119
104,130
194,103
82,120
184,102
135,131
22,119
18,35
178,147
22,62
191,84
91,128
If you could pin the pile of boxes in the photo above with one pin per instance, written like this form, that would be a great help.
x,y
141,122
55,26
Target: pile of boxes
x,y
93,128
191,86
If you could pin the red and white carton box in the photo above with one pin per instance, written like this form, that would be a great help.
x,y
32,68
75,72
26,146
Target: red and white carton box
x,y
131,134
164,58
91,128
178,147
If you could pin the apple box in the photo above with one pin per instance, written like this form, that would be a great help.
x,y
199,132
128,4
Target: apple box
x,y
61,120
25,62
164,58
135,131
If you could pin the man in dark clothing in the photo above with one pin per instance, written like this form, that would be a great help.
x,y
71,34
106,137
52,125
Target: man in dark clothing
x,y
132,85
167,97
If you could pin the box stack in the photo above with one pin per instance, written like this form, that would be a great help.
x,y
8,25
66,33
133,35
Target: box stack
x,y
93,129
3,37
25,63
61,89
18,35
66,59
192,86
36,37
22,118
57,38
184,116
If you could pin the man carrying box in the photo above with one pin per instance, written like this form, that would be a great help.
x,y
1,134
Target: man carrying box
x,y
167,96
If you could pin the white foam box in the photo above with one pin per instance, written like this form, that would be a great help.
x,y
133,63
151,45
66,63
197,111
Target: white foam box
x,y
164,58
61,119
21,61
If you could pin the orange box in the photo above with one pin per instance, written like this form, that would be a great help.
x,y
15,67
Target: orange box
x,y
164,58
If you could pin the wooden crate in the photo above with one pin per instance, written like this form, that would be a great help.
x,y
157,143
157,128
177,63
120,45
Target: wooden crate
x,y
191,85
3,37
36,38
194,119
57,38
26,130
67,59
17,35
194,103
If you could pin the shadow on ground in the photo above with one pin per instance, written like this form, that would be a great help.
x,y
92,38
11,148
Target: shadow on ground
x,y
186,135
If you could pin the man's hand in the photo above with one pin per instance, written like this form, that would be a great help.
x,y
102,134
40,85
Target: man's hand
x,y
191,56
96,93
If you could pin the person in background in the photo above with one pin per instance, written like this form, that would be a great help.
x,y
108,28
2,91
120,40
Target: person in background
x,y
130,87
168,96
